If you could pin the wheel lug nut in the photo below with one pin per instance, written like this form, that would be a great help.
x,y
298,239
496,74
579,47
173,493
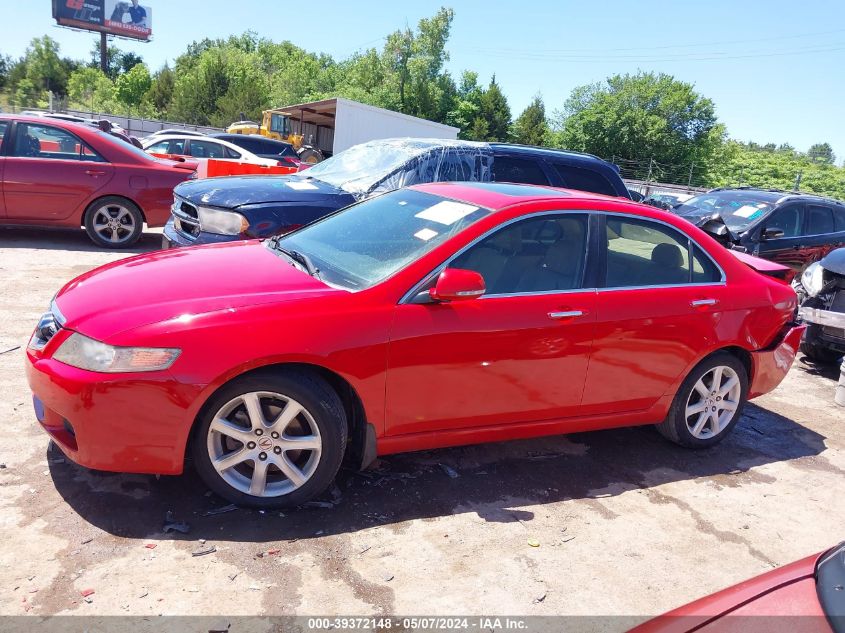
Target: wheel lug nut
x,y
250,445
262,456
274,435
278,450
259,432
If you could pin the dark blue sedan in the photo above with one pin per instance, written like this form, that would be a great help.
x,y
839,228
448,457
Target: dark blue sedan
x,y
241,207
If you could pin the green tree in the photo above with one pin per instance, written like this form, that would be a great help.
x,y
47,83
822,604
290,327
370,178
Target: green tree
x,y
640,116
161,91
822,153
89,88
466,108
131,86
5,69
495,113
531,127
44,68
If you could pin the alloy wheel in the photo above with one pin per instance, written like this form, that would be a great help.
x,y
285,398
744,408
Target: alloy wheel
x,y
114,223
264,444
713,402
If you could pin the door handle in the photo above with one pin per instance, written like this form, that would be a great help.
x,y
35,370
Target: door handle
x,y
94,173
698,303
568,314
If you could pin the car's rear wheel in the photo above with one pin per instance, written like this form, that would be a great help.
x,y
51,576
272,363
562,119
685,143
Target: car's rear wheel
x,y
271,440
113,222
708,403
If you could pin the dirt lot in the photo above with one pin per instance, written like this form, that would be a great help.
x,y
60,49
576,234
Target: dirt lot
x,y
627,523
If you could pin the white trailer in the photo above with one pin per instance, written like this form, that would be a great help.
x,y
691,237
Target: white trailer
x,y
333,125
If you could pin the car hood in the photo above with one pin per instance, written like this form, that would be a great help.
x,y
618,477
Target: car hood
x,y
178,284
834,261
230,192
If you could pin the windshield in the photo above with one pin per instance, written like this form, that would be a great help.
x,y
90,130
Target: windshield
x,y
368,242
830,578
385,165
737,208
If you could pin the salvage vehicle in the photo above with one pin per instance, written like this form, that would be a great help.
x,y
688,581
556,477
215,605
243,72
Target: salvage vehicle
x,y
805,597
215,210
438,315
203,147
63,174
821,291
264,147
794,229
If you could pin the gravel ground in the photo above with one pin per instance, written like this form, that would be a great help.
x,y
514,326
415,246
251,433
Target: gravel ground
x,y
627,524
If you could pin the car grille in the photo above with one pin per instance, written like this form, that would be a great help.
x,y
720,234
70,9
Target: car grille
x,y
837,305
186,218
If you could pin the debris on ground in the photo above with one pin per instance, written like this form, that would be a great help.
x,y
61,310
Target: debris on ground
x,y
533,542
269,552
233,576
144,592
449,471
86,592
172,525
387,577
539,598
88,540
151,545
328,505
2,466
366,549
204,551
229,508
11,349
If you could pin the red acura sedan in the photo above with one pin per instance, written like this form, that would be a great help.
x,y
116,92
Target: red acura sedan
x,y
433,316
807,596
63,174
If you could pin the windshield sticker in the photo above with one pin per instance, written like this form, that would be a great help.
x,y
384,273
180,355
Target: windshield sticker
x,y
425,234
300,185
746,211
447,212
756,214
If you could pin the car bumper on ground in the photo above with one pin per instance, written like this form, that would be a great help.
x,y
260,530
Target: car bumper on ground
x,y
173,238
770,365
822,317
116,422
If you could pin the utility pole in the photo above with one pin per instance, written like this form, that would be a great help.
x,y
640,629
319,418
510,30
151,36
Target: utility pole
x,y
797,181
689,182
104,54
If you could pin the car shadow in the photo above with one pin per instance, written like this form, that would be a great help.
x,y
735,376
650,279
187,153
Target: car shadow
x,y
69,240
492,480
825,370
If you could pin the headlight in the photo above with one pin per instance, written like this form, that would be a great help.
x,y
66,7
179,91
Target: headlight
x,y
86,353
813,279
222,222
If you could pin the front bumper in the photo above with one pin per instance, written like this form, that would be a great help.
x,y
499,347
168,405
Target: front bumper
x,y
770,365
822,317
174,238
136,423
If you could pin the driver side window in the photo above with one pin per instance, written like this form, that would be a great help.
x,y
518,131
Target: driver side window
x,y
790,220
541,254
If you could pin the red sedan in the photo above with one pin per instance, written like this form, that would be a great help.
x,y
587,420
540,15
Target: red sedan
x,y
807,596
433,316
62,174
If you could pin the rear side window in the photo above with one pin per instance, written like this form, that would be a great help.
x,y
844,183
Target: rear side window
x,y
230,153
703,269
3,126
838,218
206,149
819,220
645,253
519,170
167,147
33,140
584,179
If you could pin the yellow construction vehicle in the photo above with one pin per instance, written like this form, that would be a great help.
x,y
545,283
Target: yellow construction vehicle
x,y
277,125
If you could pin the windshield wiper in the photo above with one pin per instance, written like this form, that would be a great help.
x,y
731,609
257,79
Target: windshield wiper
x,y
299,258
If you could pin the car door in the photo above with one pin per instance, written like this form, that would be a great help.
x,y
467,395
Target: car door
x,y
786,250
517,354
4,126
655,313
821,235
50,173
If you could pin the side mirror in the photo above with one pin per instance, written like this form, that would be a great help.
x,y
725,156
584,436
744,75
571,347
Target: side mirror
x,y
457,284
771,233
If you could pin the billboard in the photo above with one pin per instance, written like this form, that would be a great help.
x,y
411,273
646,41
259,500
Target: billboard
x,y
126,18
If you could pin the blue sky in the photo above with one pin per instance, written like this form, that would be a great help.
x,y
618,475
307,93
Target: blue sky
x,y
773,68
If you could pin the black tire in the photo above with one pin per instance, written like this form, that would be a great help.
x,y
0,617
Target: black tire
x,y
816,351
310,155
127,218
326,411
675,426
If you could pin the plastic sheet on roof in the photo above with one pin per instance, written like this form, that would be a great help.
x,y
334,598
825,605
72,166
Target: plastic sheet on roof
x,y
384,165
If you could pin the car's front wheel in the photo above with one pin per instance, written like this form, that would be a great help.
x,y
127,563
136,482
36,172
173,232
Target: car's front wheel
x,y
708,403
271,440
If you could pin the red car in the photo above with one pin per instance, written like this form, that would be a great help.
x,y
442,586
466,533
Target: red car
x,y
63,174
807,596
433,316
